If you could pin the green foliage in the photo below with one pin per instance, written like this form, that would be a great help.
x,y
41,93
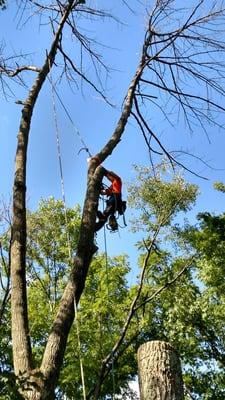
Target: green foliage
x,y
52,236
51,239
102,312
7,389
49,232
209,240
189,314
48,264
192,321
207,385
8,386
219,186
160,197
7,381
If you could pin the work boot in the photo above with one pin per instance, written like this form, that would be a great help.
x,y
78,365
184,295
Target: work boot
x,y
113,223
101,221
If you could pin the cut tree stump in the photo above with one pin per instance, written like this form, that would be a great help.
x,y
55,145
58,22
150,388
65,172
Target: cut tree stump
x,y
159,371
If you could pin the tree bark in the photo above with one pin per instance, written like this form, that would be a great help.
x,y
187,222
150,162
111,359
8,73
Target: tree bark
x,y
159,371
22,356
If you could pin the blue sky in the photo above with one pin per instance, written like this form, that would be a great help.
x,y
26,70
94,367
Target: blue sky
x,y
94,119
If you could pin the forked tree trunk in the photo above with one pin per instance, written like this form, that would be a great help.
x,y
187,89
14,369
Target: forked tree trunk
x,y
159,371
39,384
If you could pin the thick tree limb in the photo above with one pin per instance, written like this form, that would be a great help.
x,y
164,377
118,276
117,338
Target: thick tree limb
x,y
20,331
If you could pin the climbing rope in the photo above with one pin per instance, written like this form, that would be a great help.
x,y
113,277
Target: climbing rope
x,y
107,284
67,230
76,130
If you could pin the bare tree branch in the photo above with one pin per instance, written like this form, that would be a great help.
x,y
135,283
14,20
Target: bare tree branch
x,y
17,71
79,73
180,60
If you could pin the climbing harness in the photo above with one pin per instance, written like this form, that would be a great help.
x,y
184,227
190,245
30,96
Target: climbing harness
x,y
120,209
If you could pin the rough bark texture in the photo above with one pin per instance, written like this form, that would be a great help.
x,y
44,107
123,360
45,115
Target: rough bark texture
x,y
20,330
22,355
159,371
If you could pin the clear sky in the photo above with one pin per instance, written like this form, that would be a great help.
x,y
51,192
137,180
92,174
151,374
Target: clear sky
x,y
94,119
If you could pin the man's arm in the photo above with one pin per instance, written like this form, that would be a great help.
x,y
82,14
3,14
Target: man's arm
x,y
111,175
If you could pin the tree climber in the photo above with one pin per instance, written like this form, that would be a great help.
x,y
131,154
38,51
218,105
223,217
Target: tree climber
x,y
113,203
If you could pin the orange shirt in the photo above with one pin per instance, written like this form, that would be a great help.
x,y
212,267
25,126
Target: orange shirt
x,y
116,186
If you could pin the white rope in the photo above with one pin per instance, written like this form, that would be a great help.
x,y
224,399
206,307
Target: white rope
x,y
107,283
76,130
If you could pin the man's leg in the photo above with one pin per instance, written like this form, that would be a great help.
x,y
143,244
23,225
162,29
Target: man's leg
x,y
101,221
103,216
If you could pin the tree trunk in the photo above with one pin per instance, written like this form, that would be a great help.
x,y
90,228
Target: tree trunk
x,y
159,370
22,355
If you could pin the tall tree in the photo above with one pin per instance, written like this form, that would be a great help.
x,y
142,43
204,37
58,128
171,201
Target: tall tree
x,y
198,334
159,311
180,45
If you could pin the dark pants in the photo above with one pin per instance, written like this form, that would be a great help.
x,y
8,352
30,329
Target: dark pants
x,y
112,205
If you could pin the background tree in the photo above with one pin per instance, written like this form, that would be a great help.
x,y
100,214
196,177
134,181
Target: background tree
x,y
160,311
190,49
208,240
198,334
5,226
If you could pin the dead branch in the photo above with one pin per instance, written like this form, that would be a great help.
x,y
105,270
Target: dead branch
x,y
188,56
12,73
67,60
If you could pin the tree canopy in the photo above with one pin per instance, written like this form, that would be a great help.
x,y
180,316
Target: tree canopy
x,y
183,272
178,81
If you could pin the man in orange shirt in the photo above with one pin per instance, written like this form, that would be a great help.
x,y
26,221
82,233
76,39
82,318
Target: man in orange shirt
x,y
113,203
